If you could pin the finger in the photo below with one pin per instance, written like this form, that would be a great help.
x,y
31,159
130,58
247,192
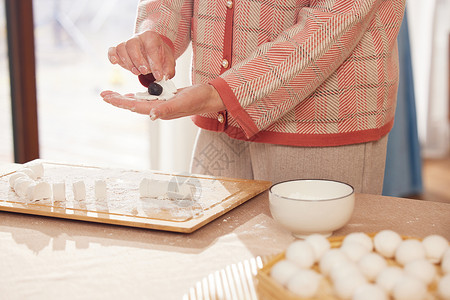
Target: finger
x,y
153,48
124,59
106,93
134,50
112,55
108,96
129,102
170,109
169,62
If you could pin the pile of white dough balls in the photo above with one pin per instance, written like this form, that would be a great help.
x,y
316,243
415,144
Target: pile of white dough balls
x,y
295,271
364,268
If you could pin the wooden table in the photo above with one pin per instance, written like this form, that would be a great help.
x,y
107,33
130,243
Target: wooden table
x,y
47,258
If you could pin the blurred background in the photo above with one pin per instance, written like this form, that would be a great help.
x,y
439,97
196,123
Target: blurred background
x,y
71,43
75,126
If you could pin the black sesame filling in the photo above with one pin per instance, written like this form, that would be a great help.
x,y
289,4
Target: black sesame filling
x,y
155,89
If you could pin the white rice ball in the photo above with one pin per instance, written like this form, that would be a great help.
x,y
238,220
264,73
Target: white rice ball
x,y
370,292
344,269
409,250
421,269
345,287
361,238
354,250
386,242
444,287
445,263
446,254
435,246
301,253
320,245
409,288
388,278
330,258
371,264
282,271
305,283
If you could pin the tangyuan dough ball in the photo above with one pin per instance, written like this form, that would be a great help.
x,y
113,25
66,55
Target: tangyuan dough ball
x,y
100,189
59,191
370,292
305,283
301,253
164,89
389,277
29,172
345,287
39,191
409,288
21,186
445,264
37,168
282,271
331,258
361,238
354,250
421,269
444,287
371,264
79,190
386,242
435,246
409,250
319,243
15,176
344,269
446,254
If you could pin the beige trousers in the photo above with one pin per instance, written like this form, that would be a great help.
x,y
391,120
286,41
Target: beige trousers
x,y
360,165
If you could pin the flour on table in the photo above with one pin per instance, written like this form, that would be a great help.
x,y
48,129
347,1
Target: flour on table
x,y
82,190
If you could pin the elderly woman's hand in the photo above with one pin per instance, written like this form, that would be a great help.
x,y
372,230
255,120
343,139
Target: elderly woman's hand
x,y
193,100
145,53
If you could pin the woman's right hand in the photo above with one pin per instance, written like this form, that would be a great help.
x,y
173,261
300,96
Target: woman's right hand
x,y
145,53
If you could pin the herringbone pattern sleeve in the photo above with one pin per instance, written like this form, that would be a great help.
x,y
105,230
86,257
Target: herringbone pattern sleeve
x,y
320,49
169,18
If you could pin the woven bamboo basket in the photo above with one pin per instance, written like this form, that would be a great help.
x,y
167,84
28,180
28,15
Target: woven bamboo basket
x,y
269,289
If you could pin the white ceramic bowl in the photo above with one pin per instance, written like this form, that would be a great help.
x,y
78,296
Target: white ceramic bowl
x,y
307,206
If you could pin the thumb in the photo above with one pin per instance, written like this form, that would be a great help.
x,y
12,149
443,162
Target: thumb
x,y
162,111
176,107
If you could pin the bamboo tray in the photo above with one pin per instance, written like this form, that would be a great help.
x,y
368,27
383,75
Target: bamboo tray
x,y
269,289
123,206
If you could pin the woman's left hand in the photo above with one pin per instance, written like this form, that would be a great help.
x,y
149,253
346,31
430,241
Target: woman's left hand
x,y
193,100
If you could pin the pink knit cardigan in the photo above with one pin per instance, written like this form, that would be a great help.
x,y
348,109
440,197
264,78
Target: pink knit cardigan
x,y
290,72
